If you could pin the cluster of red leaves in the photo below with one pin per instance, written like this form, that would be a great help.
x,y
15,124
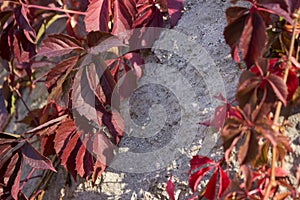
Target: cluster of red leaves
x,y
247,124
85,40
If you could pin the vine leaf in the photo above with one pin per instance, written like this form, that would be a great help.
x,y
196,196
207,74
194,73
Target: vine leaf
x,y
20,15
170,189
124,16
82,151
253,38
247,30
196,176
58,45
33,158
148,15
15,151
97,15
56,73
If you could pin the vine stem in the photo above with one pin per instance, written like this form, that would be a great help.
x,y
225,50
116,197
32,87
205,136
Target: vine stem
x,y
55,9
27,178
272,182
47,8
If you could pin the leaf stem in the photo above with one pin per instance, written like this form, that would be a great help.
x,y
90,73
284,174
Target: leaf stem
x,y
27,178
55,9
272,182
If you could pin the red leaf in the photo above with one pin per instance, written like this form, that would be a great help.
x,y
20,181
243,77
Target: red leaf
x,y
220,116
247,174
83,96
102,42
124,15
235,12
136,61
224,183
97,16
69,154
58,45
196,177
47,145
198,161
33,158
253,38
279,172
174,9
114,122
98,170
170,189
292,84
63,135
84,159
210,190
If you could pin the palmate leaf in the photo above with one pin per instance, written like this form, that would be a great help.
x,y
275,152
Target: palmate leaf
x,y
93,90
81,150
15,151
126,70
196,176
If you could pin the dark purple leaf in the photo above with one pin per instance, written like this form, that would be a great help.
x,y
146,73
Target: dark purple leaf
x,y
253,38
36,160
174,9
20,14
278,87
232,33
